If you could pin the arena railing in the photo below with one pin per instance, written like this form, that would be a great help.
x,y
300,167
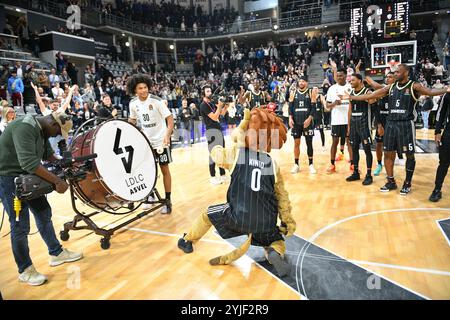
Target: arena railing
x,y
289,19
150,30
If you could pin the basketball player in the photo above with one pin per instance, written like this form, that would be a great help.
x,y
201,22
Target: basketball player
x,y
153,114
400,130
256,196
442,138
254,98
302,107
359,114
382,112
339,117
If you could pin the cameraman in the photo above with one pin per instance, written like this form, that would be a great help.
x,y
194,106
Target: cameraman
x,y
211,113
26,140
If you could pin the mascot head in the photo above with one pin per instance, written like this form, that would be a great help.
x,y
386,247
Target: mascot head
x,y
260,130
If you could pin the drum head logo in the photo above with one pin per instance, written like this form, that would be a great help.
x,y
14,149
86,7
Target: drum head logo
x,y
127,162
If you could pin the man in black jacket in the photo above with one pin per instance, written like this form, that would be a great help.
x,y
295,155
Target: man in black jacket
x,y
442,138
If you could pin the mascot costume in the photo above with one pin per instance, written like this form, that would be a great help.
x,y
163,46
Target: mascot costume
x,y
256,197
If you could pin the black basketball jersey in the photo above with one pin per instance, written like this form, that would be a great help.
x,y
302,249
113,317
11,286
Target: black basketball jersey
x,y
383,109
402,102
361,112
302,107
251,195
256,99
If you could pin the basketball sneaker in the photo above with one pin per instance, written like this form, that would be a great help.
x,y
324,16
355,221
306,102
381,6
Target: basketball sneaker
x,y
436,195
147,205
405,189
295,169
331,168
367,180
184,245
354,177
390,185
377,170
312,170
167,209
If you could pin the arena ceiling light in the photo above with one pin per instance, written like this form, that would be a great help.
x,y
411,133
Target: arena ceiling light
x,y
275,27
171,47
18,10
127,44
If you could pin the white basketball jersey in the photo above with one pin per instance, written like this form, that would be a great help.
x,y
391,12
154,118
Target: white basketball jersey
x,y
151,116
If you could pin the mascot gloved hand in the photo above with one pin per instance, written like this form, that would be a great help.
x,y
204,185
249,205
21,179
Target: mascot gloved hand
x,y
256,197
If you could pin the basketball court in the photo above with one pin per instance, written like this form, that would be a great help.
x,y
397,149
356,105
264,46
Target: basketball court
x,y
351,242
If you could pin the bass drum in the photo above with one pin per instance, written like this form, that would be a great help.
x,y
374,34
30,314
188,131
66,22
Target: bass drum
x,y
124,170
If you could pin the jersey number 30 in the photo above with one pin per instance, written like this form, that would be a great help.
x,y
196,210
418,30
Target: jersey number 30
x,y
256,179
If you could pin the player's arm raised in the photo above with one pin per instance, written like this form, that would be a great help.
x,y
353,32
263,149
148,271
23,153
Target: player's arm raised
x,y
373,83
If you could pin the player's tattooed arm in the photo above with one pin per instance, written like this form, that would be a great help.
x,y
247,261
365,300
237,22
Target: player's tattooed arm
x,y
417,87
377,94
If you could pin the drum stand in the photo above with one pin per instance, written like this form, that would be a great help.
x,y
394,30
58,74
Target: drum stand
x,y
91,225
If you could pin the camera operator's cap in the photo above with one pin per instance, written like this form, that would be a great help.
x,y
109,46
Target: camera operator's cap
x,y
302,78
64,121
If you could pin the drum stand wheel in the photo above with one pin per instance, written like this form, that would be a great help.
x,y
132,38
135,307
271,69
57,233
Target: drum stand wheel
x,y
106,234
105,243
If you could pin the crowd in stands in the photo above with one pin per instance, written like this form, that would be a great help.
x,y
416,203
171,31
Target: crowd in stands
x,y
278,65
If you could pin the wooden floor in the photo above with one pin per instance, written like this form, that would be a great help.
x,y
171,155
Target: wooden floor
x,y
395,236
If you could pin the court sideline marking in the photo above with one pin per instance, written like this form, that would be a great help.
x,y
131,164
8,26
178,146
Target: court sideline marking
x,y
334,224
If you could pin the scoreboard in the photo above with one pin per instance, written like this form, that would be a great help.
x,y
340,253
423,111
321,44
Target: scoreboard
x,y
388,20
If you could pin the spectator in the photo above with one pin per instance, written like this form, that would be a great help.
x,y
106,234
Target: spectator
x,y
15,89
57,91
439,71
60,62
44,82
53,77
8,115
106,110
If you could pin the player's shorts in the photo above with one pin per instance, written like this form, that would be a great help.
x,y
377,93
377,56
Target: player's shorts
x,y
359,132
359,135
163,155
339,130
298,131
399,136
